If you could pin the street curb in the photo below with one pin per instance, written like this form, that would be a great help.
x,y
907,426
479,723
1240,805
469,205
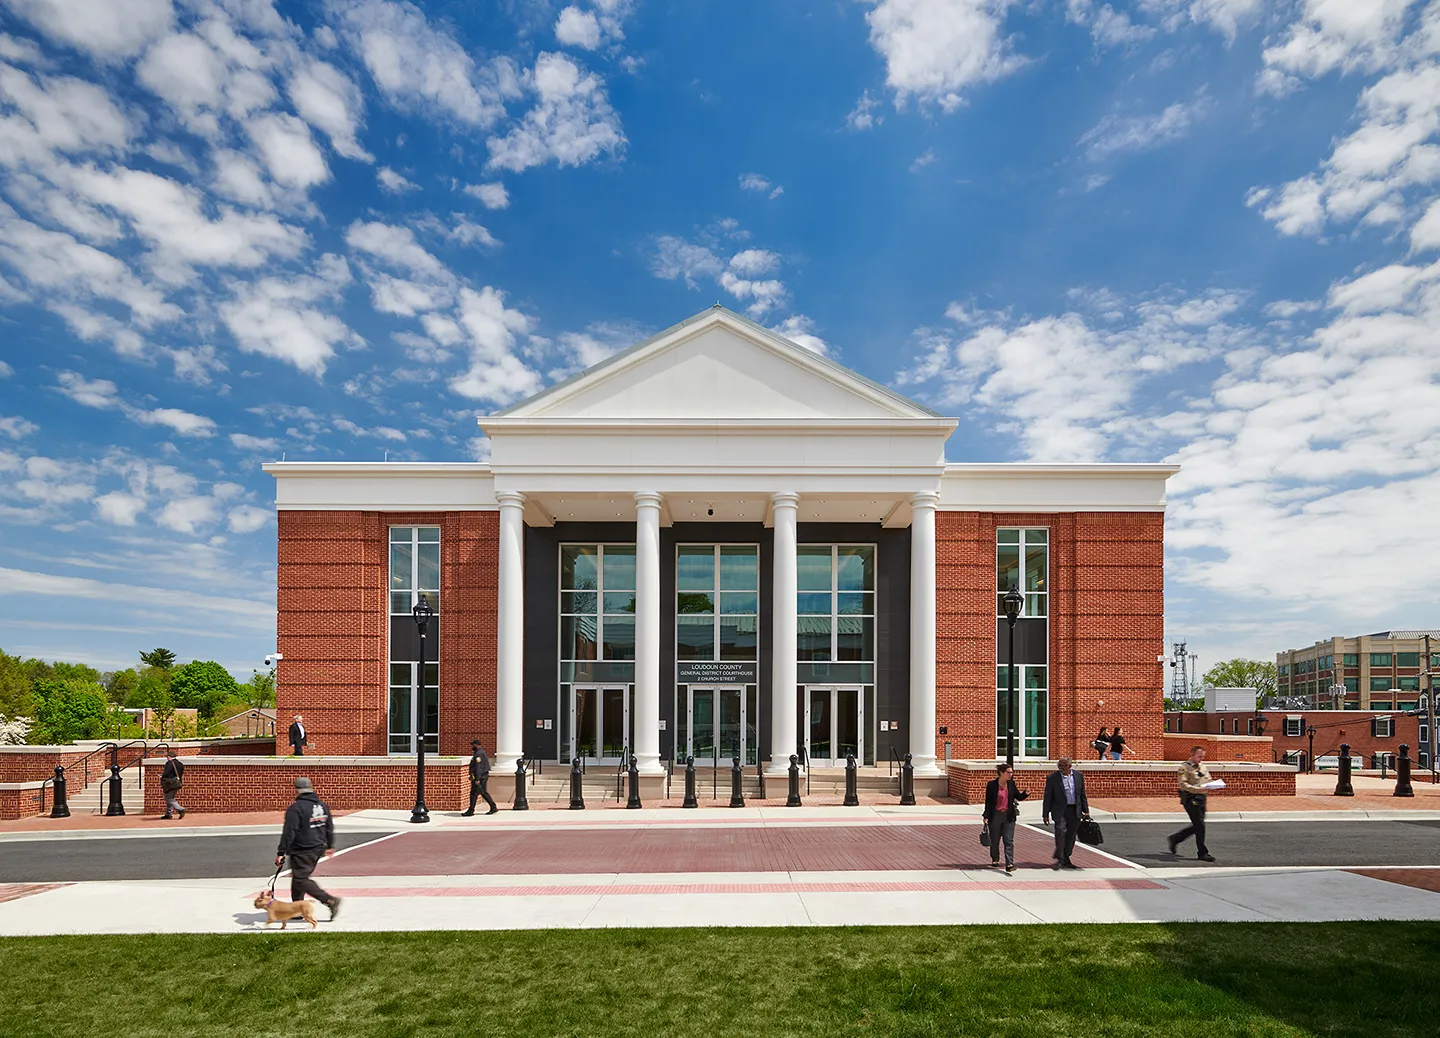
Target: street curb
x,y
1273,816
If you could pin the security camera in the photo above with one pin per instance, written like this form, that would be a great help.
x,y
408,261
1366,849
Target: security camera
x,y
273,658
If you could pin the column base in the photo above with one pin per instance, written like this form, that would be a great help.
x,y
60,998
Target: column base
x,y
504,762
780,768
648,765
925,767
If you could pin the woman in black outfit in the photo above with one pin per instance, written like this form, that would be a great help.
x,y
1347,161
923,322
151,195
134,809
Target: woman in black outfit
x,y
1002,806
1117,744
1102,742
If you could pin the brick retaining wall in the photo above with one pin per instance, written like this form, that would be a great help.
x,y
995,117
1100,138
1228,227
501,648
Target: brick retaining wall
x,y
22,799
1219,748
1142,779
214,785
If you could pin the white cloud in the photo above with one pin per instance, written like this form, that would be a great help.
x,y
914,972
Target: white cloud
x,y
184,514
393,182
16,427
109,31
754,262
800,330
466,232
921,161
676,258
120,508
755,182
863,116
935,49
247,518
1226,17
246,442
24,582
6,370
1335,34
496,373
577,28
571,122
1115,134
100,393
22,52
58,113
327,99
421,69
598,341
395,245
284,142
280,317
1426,232
1108,27
491,196
183,422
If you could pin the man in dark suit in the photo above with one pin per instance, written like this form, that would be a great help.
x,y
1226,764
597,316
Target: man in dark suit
x,y
1065,802
298,739
479,776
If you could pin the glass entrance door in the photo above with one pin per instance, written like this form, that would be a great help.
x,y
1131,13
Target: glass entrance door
x,y
834,725
600,723
718,726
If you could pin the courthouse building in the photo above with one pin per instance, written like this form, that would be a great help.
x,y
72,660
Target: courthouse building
x,y
718,543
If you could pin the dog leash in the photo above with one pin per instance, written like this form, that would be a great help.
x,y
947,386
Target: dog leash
x,y
275,878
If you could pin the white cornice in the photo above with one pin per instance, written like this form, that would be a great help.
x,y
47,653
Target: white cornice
x,y
651,426
322,469
1048,488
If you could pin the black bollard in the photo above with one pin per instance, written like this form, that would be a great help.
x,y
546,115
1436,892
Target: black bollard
x,y
634,800
793,798
117,795
522,803
690,798
1343,788
907,782
1402,773
60,809
577,787
852,775
737,795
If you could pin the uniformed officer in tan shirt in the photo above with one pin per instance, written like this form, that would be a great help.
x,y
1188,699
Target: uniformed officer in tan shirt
x,y
1194,778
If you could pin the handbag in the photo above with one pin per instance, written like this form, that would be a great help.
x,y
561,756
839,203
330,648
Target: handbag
x,y
985,836
170,785
1088,832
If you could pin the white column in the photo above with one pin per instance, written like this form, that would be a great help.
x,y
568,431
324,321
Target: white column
x,y
647,632
510,635
922,632
782,627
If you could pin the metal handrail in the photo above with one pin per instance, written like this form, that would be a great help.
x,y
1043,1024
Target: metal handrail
x,y
137,764
805,759
760,774
895,761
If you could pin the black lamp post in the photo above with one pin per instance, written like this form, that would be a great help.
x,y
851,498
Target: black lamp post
x,y
1014,602
422,613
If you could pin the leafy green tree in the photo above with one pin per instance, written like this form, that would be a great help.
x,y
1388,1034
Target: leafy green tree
x,y
78,671
120,683
162,658
1241,673
67,709
15,697
151,684
259,691
203,685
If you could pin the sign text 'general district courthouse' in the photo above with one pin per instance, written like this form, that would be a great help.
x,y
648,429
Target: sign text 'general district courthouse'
x,y
719,543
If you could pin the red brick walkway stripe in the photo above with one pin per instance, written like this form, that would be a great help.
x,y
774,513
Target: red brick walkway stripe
x,y
1421,879
15,891
879,887
868,848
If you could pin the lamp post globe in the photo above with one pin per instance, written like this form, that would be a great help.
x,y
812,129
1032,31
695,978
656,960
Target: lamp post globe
x,y
423,613
1014,603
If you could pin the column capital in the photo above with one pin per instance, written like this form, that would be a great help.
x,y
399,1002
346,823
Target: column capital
x,y
510,498
925,499
649,499
785,498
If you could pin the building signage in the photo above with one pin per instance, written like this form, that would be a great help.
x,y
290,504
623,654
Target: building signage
x,y
726,673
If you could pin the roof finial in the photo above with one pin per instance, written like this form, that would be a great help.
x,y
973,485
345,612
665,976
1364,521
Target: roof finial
x,y
717,305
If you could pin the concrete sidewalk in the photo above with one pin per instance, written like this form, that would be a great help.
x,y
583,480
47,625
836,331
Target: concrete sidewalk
x,y
394,903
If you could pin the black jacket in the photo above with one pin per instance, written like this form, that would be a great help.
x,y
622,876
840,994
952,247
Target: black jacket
x,y
992,794
1054,804
173,770
308,826
479,765
297,735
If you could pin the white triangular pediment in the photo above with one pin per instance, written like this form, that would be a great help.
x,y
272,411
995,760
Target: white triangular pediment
x,y
717,366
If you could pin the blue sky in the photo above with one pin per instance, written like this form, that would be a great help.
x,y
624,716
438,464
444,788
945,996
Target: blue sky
x,y
1200,230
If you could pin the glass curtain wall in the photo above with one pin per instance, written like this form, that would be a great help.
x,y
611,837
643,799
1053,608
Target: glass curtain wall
x,y
414,572
717,647
597,648
1022,560
835,646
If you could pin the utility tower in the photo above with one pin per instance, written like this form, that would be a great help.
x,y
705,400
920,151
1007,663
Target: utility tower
x,y
1180,658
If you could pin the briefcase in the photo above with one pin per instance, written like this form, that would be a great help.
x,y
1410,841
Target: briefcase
x,y
1088,832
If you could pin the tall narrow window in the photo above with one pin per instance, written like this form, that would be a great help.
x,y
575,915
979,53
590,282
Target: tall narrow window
x,y
414,572
1022,561
597,650
717,651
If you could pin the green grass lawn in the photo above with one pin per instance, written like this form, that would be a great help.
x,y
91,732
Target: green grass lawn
x,y
1210,980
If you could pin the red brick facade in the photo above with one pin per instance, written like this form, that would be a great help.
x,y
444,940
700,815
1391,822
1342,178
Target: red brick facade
x,y
333,571
1107,625
1332,727
269,785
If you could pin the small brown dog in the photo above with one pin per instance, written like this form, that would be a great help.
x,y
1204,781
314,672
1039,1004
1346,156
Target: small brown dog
x,y
285,910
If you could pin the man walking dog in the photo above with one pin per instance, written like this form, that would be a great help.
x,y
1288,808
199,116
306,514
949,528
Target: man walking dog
x,y
309,835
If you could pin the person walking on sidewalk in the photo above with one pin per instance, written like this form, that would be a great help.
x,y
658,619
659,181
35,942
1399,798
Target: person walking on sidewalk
x,y
309,835
479,777
171,779
1002,806
1102,743
1065,801
1194,791
298,738
1117,744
